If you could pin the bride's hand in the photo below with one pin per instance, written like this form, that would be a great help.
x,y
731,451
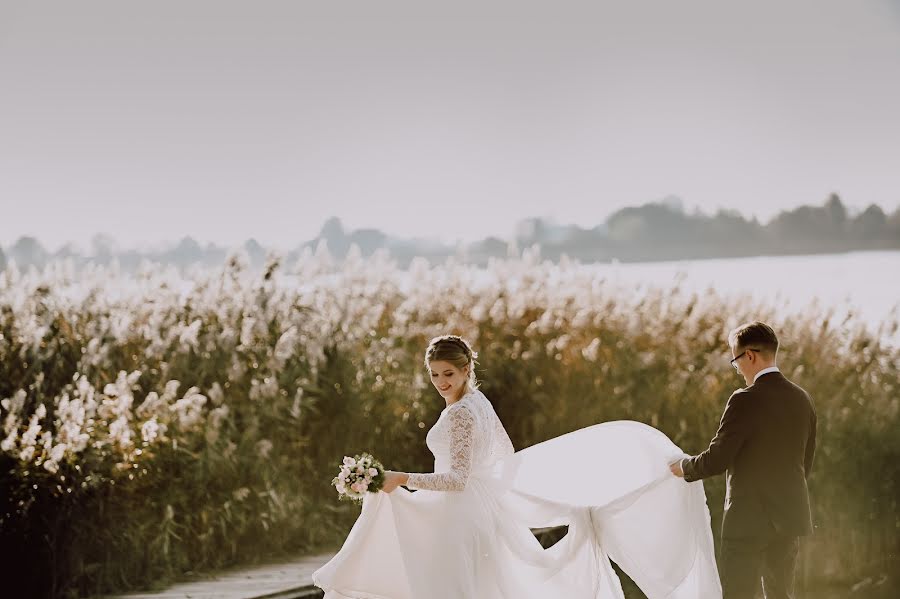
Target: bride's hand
x,y
392,480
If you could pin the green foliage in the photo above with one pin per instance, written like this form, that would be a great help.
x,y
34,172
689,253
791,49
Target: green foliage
x,y
286,373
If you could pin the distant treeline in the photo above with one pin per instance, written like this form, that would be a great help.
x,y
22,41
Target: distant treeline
x,y
654,231
663,230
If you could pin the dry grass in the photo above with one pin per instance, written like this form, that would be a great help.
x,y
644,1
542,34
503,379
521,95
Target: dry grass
x,y
280,375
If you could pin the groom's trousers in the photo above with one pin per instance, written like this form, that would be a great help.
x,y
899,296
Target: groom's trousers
x,y
771,558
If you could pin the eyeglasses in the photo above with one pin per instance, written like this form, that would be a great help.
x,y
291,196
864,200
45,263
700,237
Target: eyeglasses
x,y
739,356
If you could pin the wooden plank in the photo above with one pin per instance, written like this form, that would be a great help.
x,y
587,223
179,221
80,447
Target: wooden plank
x,y
274,581
283,579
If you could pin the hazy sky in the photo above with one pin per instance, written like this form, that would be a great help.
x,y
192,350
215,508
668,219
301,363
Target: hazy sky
x,y
152,120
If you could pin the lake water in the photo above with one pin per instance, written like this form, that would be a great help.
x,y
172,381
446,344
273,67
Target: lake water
x,y
866,283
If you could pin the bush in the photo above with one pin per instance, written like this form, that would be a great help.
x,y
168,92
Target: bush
x,y
156,424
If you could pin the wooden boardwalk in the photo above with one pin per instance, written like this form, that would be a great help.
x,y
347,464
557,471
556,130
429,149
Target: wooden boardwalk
x,y
290,580
287,580
293,580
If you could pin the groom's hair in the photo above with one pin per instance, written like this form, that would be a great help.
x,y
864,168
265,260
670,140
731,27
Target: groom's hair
x,y
754,335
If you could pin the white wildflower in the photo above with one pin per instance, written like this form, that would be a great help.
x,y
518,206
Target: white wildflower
x,y
120,432
171,391
265,389
214,422
152,405
27,453
248,324
216,394
188,335
9,443
150,430
13,405
285,346
58,451
189,409
591,352
263,448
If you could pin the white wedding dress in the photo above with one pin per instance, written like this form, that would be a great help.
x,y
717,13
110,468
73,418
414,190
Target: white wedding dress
x,y
465,532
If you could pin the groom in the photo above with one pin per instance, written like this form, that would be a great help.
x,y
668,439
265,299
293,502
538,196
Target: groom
x,y
765,445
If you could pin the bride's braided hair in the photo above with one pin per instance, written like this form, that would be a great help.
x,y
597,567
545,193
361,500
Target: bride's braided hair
x,y
455,350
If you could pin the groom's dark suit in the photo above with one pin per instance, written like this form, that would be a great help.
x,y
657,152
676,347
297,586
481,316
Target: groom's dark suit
x,y
765,445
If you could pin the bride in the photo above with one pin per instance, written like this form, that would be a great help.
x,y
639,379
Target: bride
x,y
463,532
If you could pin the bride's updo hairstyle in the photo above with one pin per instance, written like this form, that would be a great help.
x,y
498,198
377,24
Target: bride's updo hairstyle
x,y
455,350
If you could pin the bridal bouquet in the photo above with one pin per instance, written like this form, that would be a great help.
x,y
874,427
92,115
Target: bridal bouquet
x,y
360,474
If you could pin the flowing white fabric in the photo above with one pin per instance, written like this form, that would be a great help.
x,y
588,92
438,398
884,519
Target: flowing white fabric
x,y
466,533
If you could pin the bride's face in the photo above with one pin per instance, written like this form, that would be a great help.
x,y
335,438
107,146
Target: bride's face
x,y
449,380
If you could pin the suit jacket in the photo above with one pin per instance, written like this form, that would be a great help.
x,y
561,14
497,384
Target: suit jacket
x,y
765,445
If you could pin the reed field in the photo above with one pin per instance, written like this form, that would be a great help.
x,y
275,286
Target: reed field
x,y
160,423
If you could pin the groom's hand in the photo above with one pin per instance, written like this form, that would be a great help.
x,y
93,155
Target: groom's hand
x,y
675,468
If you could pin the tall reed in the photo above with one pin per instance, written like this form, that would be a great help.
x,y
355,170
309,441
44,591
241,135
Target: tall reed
x,y
157,424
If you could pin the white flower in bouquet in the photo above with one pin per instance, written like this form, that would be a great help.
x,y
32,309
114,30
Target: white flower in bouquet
x,y
357,476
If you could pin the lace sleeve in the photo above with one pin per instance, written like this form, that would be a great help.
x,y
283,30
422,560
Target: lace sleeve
x,y
462,430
